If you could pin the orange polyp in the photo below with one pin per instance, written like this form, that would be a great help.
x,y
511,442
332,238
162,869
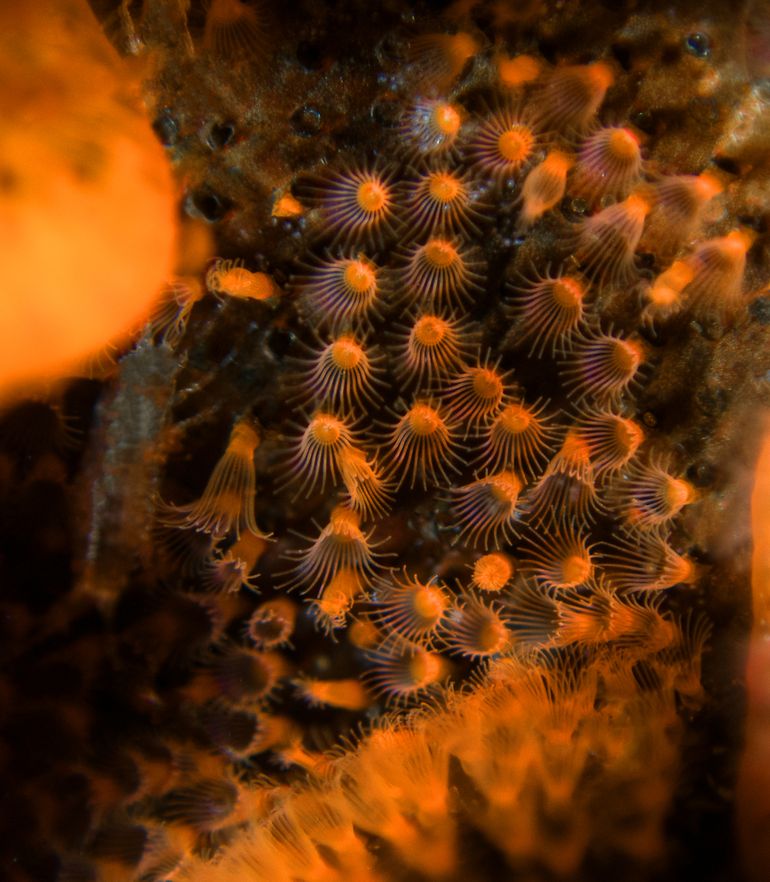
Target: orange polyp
x,y
520,437
229,278
406,609
609,163
432,348
287,206
421,446
338,562
707,186
543,188
356,203
514,72
440,58
485,509
441,271
316,454
561,559
492,572
372,196
359,276
549,311
430,330
440,253
571,95
718,266
607,240
475,629
368,492
679,493
504,143
346,694
447,119
515,145
431,127
476,394
340,292
423,420
575,570
444,187
227,503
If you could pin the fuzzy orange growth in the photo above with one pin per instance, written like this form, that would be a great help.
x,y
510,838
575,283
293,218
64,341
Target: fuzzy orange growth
x,y
549,312
477,393
342,546
422,446
234,28
718,266
287,206
612,440
543,188
520,437
431,127
316,456
492,572
346,694
433,347
517,71
440,58
571,95
368,493
342,373
440,199
272,623
603,368
407,609
406,674
476,629
664,298
650,497
441,271
609,163
205,804
504,144
341,292
485,509
607,241
567,486
561,559
228,278
227,502
357,204
646,563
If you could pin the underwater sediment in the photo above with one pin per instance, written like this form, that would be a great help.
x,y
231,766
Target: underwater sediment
x,y
410,538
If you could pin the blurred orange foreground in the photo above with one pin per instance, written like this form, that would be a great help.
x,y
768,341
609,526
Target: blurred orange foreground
x,y
753,793
87,226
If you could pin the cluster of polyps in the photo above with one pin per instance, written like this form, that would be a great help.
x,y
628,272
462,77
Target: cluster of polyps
x,y
557,516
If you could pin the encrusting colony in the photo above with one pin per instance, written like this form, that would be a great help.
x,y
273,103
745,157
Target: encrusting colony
x,y
457,526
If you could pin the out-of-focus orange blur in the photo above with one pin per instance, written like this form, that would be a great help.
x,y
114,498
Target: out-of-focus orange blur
x,y
87,227
753,797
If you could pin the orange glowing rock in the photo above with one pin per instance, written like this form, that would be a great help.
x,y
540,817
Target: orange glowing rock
x,y
86,201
